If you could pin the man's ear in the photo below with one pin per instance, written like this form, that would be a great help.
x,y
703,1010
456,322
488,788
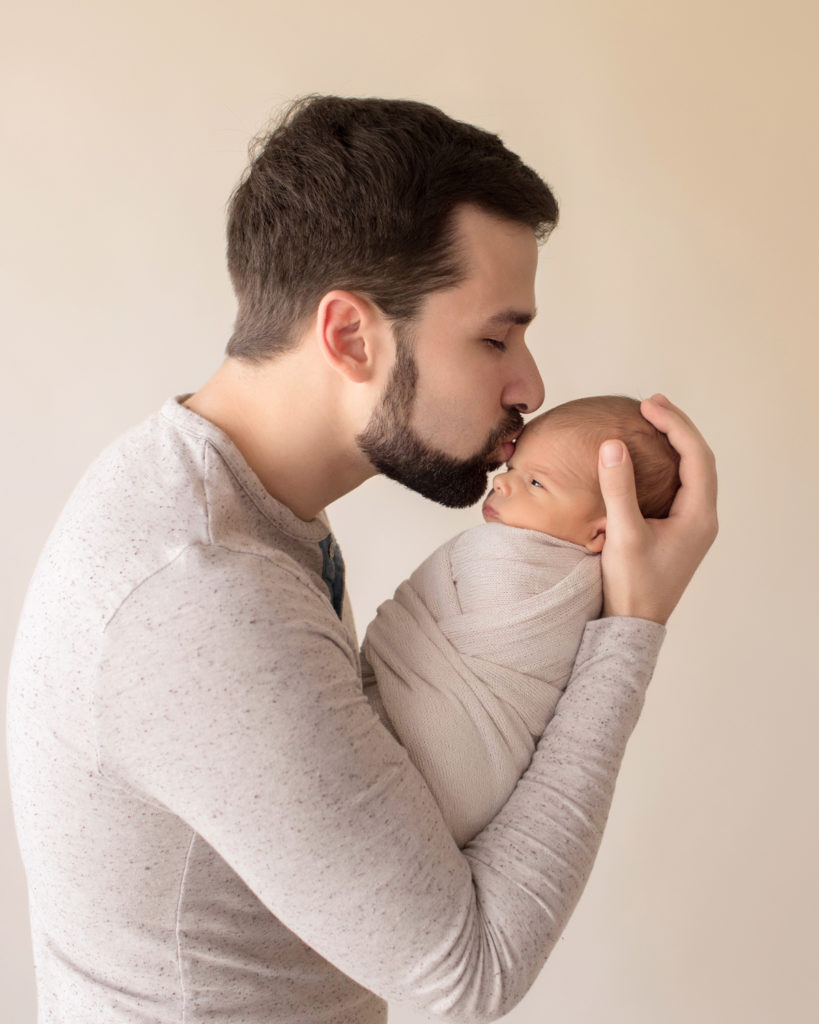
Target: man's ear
x,y
597,536
349,331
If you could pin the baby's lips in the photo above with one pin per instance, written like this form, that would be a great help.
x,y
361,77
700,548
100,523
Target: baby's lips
x,y
488,511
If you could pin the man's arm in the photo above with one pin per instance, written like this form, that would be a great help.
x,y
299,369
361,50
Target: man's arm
x,y
243,716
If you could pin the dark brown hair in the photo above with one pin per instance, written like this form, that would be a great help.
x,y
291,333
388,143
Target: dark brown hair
x,y
606,417
359,194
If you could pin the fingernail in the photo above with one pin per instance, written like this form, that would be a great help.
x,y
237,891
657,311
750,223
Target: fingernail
x,y
612,453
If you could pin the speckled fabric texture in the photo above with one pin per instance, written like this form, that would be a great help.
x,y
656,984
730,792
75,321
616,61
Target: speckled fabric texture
x,y
215,825
471,656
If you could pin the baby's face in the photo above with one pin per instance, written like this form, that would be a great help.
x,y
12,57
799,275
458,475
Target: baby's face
x,y
550,485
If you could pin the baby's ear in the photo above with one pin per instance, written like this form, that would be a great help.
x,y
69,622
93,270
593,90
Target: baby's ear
x,y
597,536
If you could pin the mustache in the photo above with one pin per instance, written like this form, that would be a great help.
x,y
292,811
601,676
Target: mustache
x,y
510,427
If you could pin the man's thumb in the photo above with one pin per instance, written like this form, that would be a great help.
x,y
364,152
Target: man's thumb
x,y
616,475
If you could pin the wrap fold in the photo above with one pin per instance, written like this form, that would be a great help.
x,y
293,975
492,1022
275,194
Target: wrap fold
x,y
471,656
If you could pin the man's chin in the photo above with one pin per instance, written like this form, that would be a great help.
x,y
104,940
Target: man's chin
x,y
449,493
447,484
448,481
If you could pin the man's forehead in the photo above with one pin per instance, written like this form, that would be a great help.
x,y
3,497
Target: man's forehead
x,y
493,246
496,287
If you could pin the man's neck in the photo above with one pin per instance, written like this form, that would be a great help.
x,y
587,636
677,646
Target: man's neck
x,y
293,436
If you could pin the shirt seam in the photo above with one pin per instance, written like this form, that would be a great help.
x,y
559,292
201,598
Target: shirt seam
x,y
178,929
305,536
209,443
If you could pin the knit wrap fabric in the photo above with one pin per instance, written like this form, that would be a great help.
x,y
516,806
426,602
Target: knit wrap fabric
x,y
472,655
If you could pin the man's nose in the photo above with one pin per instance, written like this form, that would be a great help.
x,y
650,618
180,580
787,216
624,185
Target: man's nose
x,y
525,391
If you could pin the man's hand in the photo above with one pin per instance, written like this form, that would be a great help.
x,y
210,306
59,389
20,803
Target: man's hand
x,y
648,563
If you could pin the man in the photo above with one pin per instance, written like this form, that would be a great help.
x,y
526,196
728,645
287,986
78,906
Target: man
x,y
215,825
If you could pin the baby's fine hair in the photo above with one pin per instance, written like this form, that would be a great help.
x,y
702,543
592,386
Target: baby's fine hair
x,y
600,418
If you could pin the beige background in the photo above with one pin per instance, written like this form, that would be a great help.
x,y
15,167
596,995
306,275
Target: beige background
x,y
682,142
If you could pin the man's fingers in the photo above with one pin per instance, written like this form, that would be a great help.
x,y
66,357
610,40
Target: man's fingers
x,y
672,421
698,475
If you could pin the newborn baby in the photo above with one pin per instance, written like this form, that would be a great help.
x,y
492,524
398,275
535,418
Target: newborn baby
x,y
472,653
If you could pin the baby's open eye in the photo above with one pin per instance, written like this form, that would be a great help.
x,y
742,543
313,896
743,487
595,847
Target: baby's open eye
x,y
535,483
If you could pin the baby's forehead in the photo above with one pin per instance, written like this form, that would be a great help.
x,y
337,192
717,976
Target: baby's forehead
x,y
561,445
549,434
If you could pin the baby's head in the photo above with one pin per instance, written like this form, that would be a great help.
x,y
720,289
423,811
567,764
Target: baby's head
x,y
551,484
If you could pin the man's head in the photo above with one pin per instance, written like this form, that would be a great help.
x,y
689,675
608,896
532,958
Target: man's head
x,y
551,481
361,195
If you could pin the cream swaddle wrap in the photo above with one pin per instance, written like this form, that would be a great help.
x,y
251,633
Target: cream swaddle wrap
x,y
472,654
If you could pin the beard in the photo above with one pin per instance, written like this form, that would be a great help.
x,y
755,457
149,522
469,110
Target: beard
x,y
395,449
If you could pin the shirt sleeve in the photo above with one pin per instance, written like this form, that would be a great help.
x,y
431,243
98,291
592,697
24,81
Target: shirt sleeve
x,y
244,716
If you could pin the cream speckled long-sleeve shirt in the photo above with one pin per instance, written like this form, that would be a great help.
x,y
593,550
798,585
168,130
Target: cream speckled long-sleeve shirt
x,y
215,825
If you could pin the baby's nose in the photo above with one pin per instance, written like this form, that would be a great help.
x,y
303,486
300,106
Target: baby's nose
x,y
501,484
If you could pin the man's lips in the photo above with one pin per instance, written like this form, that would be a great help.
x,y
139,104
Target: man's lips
x,y
504,452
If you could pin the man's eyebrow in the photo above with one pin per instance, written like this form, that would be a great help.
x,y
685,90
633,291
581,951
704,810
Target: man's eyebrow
x,y
510,316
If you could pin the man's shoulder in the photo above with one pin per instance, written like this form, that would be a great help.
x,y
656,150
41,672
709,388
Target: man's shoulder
x,y
172,501
213,604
